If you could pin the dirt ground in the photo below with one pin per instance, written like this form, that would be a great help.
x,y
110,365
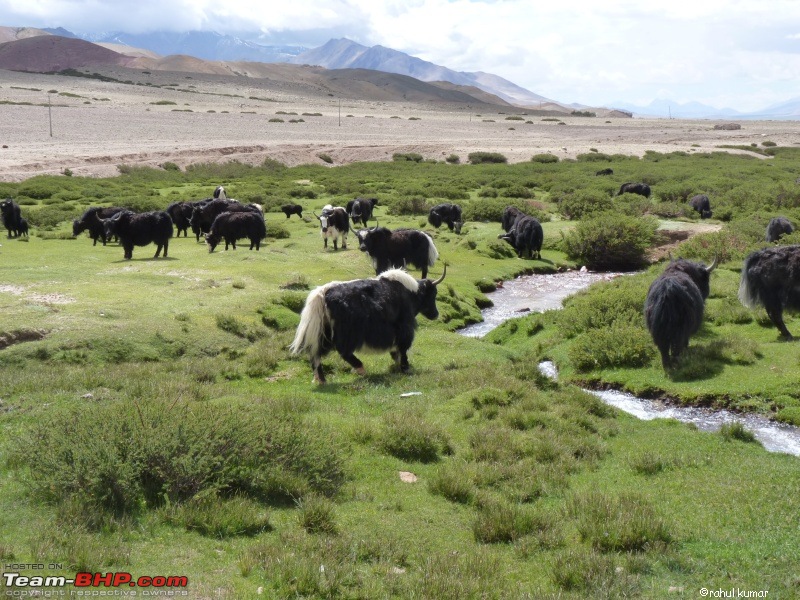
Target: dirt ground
x,y
91,126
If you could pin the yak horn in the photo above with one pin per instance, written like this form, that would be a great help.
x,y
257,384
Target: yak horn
x,y
713,264
444,272
315,214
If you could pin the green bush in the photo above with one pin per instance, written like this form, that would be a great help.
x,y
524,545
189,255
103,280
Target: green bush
x,y
477,158
583,203
453,159
620,345
316,514
219,518
609,241
544,158
410,437
407,157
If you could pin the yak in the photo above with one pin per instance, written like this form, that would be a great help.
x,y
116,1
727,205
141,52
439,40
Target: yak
x,y
140,230
232,226
378,313
11,216
526,236
204,213
510,216
673,308
393,249
292,209
701,204
450,214
219,193
634,188
181,214
360,209
92,221
602,172
771,278
334,223
777,227
23,227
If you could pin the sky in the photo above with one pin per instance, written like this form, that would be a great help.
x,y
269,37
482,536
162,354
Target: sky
x,y
735,54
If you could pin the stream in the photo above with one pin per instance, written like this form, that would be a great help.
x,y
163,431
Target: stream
x,y
538,293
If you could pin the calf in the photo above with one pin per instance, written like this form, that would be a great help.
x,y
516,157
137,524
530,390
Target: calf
x,y
335,224
701,204
292,209
360,209
634,188
379,314
673,308
777,227
393,249
526,236
140,230
234,226
450,214
11,216
92,221
23,227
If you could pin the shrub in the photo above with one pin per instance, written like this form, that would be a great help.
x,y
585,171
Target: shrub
x,y
620,345
609,241
220,518
406,157
453,482
544,158
736,431
622,523
585,202
325,158
316,514
410,437
170,166
477,158
453,159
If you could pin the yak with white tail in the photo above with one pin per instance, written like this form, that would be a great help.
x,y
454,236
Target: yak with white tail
x,y
379,314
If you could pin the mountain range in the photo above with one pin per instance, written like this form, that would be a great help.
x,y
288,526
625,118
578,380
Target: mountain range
x,y
346,54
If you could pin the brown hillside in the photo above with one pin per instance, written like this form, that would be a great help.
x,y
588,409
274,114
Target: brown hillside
x,y
10,34
52,53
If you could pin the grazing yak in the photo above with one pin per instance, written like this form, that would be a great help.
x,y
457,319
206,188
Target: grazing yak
x,y
510,216
394,249
292,209
634,188
378,313
23,227
92,221
526,236
604,172
771,278
11,216
232,226
701,204
140,230
449,214
360,209
204,213
673,308
777,227
181,215
335,224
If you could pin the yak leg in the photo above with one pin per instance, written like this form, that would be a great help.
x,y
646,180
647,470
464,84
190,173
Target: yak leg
x,y
158,250
316,366
325,240
775,314
344,242
335,243
354,362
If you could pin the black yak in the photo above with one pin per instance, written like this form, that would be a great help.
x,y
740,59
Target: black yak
x,y
635,188
360,209
92,221
181,214
510,215
292,209
602,172
23,227
771,278
393,249
377,313
777,227
232,226
526,236
335,224
140,230
701,204
673,309
205,212
450,214
11,216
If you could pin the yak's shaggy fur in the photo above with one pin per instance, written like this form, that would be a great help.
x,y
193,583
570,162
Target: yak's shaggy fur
x,y
771,278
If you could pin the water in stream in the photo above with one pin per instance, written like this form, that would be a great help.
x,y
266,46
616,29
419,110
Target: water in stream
x,y
546,292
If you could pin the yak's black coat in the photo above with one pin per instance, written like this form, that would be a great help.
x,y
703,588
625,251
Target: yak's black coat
x,y
232,226
11,216
701,204
140,230
771,278
526,236
92,221
449,214
394,249
635,188
777,227
360,209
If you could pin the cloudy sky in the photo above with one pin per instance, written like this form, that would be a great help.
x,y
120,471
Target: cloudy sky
x,y
741,54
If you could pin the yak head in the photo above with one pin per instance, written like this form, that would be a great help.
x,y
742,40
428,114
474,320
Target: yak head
x,y
697,272
212,240
369,239
110,225
426,295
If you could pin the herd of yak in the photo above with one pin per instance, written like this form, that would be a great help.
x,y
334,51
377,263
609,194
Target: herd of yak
x,y
380,313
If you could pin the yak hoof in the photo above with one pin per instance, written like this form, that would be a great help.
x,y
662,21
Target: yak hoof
x,y
361,371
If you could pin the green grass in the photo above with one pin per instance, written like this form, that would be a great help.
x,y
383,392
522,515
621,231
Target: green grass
x,y
157,424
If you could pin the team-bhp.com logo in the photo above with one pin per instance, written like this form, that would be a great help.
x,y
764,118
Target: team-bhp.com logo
x,y
98,580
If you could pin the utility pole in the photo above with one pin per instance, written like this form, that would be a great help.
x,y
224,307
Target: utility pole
x,y
50,115
340,112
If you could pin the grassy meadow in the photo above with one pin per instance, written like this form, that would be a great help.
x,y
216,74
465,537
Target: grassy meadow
x,y
153,421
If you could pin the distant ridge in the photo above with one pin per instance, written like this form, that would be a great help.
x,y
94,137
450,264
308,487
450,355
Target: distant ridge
x,y
52,53
343,53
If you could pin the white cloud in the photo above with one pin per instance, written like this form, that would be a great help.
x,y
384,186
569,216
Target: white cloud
x,y
738,52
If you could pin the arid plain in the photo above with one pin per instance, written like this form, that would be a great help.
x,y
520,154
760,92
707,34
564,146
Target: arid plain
x,y
149,118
